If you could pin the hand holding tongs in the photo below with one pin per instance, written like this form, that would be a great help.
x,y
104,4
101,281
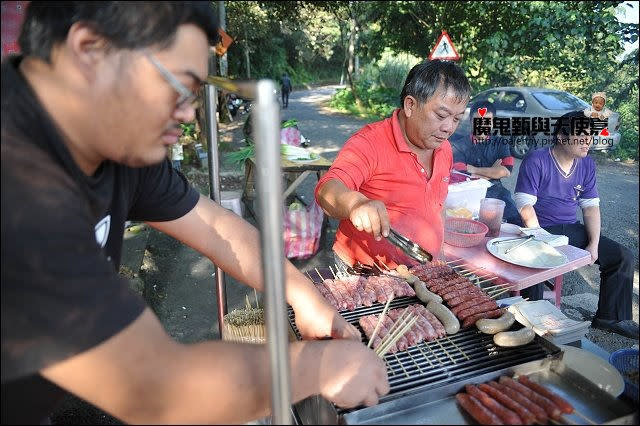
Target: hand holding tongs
x,y
410,248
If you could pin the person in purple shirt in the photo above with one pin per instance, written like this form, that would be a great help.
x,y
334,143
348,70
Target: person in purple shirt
x,y
552,183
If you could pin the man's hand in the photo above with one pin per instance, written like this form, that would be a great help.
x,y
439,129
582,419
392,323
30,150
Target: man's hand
x,y
351,375
593,249
370,216
318,320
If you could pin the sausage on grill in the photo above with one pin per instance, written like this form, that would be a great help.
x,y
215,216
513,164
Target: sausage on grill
x,y
562,403
506,415
552,409
473,318
535,409
482,307
522,412
477,410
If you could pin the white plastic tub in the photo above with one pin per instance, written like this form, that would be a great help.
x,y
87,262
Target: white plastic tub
x,y
467,195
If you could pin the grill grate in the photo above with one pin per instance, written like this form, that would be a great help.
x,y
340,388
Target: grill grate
x,y
466,354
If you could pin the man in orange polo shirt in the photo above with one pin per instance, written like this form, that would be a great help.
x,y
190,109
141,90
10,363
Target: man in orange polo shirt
x,y
395,172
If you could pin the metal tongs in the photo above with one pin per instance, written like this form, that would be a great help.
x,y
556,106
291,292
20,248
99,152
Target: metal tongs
x,y
510,249
410,248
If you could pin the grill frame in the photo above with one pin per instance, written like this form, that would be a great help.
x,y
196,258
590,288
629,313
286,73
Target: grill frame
x,y
428,366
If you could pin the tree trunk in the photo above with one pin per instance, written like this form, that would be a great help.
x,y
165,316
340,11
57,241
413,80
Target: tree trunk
x,y
246,55
222,16
351,60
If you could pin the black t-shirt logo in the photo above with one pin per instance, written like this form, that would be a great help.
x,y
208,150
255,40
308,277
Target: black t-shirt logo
x,y
102,230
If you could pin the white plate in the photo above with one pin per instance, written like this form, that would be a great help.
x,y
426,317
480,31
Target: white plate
x,y
533,254
594,368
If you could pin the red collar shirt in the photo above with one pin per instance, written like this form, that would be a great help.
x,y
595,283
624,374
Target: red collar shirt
x,y
377,162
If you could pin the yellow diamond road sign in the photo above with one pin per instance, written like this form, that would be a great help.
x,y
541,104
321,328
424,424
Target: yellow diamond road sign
x,y
444,49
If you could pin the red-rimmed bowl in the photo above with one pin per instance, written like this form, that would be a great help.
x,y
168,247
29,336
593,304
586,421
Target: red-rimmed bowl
x,y
462,232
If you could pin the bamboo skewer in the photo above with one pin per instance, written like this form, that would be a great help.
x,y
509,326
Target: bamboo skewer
x,y
399,328
414,361
397,336
484,281
493,296
585,418
499,286
333,273
319,274
386,267
380,319
454,261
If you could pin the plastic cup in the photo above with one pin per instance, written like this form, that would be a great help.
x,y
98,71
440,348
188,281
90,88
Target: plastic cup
x,y
491,210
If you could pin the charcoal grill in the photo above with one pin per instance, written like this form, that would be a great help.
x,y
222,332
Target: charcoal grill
x,y
426,366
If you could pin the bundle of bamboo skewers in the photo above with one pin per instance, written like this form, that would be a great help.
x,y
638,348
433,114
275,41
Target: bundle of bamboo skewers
x,y
245,325
397,330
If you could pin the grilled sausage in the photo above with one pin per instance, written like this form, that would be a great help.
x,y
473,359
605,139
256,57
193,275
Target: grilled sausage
x,y
493,326
469,303
477,410
473,318
535,409
549,407
425,295
514,338
562,403
506,415
527,416
446,317
482,307
411,279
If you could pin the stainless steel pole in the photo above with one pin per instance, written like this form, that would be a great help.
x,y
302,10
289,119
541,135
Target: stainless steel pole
x,y
266,125
210,104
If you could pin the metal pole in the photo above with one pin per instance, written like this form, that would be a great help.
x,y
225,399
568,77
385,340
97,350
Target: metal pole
x,y
210,103
266,125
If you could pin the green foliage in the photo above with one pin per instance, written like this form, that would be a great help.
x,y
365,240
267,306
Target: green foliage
x,y
188,129
628,146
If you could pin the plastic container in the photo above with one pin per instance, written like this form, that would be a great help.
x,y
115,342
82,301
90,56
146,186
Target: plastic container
x,y
467,195
491,211
626,361
461,232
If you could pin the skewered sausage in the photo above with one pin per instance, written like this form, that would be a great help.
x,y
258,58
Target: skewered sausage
x,y
557,399
482,307
522,412
506,415
493,326
473,318
425,295
477,410
514,338
446,317
549,407
535,409
469,303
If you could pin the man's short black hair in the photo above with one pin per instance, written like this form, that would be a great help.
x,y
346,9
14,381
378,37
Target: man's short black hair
x,y
124,24
427,77
563,128
482,104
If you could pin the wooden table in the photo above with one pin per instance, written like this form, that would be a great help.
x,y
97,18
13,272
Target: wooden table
x,y
520,277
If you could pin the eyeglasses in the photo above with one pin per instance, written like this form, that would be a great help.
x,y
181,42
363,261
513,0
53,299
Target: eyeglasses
x,y
187,97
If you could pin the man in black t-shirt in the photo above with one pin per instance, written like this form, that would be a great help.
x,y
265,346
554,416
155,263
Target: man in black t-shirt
x,y
87,115
285,88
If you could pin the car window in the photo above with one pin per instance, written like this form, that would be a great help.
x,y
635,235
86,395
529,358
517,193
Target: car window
x,y
559,100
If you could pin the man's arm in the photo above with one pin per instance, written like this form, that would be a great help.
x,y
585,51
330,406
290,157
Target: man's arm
x,y
529,218
591,217
234,245
340,202
496,171
145,377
